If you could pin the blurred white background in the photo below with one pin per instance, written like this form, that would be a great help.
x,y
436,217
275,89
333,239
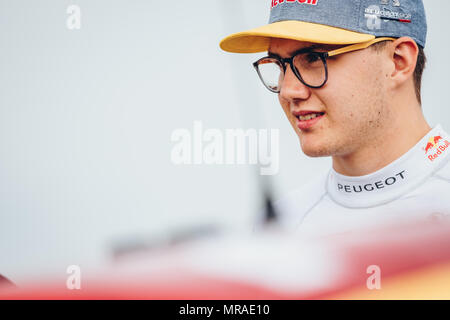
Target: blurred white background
x,y
86,118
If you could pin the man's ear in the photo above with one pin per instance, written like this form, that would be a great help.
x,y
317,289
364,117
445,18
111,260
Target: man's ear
x,y
404,52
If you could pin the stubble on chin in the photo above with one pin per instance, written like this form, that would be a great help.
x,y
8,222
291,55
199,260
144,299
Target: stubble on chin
x,y
316,144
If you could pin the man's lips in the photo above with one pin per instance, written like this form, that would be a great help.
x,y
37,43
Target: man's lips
x,y
307,118
305,112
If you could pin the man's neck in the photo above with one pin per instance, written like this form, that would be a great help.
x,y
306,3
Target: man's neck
x,y
403,134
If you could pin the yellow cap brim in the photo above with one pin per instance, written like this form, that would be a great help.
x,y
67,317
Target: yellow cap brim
x,y
258,39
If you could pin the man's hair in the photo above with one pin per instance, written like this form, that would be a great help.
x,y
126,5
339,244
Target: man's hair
x,y
418,72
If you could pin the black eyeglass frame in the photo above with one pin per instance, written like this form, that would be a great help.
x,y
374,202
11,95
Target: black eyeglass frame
x,y
283,61
322,55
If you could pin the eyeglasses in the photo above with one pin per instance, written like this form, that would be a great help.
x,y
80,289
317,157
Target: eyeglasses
x,y
310,67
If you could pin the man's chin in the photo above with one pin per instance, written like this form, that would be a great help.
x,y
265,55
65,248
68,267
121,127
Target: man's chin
x,y
316,154
316,151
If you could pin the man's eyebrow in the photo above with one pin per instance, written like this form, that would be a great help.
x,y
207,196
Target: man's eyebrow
x,y
325,47
310,48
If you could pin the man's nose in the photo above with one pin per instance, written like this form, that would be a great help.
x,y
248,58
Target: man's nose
x,y
292,88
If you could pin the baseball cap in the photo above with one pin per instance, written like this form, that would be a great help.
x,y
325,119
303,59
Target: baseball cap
x,y
333,22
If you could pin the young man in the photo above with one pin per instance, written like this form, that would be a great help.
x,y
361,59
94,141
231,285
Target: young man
x,y
348,75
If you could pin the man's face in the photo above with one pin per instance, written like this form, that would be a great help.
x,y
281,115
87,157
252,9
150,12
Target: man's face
x,y
353,101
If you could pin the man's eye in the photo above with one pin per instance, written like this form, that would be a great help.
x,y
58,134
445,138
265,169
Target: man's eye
x,y
312,57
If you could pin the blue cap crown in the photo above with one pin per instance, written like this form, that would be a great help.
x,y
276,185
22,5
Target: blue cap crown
x,y
381,18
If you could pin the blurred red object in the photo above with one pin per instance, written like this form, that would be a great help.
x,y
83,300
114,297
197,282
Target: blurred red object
x,y
414,263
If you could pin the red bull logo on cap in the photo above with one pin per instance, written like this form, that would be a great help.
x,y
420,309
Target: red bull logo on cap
x,y
435,147
277,2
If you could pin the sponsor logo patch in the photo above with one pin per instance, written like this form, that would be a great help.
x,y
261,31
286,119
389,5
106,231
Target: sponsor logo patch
x,y
275,3
371,187
436,146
